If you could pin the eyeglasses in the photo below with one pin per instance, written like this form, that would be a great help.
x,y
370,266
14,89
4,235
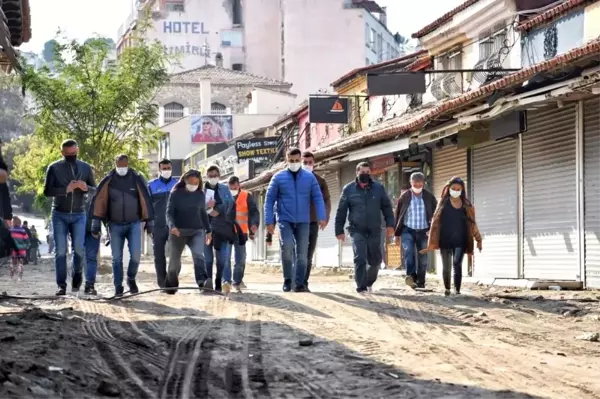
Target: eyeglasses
x,y
206,123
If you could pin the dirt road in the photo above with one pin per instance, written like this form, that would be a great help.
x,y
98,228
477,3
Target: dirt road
x,y
331,343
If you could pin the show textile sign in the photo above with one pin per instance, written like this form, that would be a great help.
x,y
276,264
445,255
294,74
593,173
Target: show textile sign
x,y
257,150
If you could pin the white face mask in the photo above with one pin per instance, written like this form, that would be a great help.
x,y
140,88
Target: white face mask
x,y
191,187
214,181
166,174
234,192
417,190
294,167
122,171
308,168
455,193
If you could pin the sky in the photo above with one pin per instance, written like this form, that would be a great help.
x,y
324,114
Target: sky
x,y
80,19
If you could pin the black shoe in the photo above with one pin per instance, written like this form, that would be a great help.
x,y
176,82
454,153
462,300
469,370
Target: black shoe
x,y
61,292
119,291
90,290
76,282
287,285
300,288
361,290
306,287
133,288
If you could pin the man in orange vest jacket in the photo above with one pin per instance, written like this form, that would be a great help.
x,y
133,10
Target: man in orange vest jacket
x,y
247,217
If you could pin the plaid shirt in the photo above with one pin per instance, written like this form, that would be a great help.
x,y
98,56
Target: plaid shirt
x,y
416,218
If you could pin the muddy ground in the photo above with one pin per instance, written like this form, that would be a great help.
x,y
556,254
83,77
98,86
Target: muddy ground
x,y
331,343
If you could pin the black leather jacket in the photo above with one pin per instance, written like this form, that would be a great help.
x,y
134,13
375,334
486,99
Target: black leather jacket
x,y
58,177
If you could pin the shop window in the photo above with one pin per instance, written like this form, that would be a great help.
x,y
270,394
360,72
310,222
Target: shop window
x,y
175,6
173,112
218,109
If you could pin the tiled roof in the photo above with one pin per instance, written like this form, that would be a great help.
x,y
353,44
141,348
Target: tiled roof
x,y
412,122
443,19
357,71
223,76
551,14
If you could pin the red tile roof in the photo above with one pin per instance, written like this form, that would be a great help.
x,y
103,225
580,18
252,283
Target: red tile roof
x,y
443,19
551,14
410,123
357,71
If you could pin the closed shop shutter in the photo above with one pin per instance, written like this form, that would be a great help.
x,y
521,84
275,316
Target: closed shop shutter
x,y
550,246
448,162
348,173
591,173
255,248
328,248
494,183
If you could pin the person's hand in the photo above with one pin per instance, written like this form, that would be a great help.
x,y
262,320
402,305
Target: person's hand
x,y
82,185
72,186
271,228
397,241
208,238
424,251
3,176
253,229
214,213
341,237
175,232
322,224
211,203
389,231
479,246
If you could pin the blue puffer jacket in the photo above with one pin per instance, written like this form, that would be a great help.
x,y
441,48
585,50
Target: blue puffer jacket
x,y
293,196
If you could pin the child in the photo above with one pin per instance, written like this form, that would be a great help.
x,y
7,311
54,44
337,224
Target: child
x,y
21,240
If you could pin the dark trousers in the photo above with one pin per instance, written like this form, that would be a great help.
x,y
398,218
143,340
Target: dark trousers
x,y
160,237
452,258
414,241
313,235
367,258
196,243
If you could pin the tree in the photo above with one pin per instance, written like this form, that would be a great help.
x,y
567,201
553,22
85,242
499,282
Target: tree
x,y
13,119
49,50
105,106
110,42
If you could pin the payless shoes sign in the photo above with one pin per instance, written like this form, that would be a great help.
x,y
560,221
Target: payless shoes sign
x,y
328,109
258,150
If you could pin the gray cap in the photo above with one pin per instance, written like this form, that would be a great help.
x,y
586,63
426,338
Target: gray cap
x,y
417,176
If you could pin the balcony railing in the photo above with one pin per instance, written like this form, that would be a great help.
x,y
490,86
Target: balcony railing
x,y
447,85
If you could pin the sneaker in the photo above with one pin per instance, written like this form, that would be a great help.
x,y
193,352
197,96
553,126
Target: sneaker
x,y
119,291
61,291
300,288
76,282
361,290
370,288
226,288
90,290
237,288
133,288
243,286
447,293
287,285
410,281
457,292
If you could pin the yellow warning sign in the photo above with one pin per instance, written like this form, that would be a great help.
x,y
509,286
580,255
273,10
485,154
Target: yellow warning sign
x,y
337,107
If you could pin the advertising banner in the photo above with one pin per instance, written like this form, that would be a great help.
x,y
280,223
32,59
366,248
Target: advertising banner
x,y
258,150
211,129
328,109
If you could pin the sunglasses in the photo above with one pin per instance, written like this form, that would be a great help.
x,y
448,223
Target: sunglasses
x,y
206,123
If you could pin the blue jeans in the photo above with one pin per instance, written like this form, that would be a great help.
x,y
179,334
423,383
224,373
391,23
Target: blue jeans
x,y
118,233
92,246
64,224
412,239
223,262
240,263
367,258
196,243
294,241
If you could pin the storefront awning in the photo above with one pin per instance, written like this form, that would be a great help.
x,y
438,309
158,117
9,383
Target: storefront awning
x,y
379,149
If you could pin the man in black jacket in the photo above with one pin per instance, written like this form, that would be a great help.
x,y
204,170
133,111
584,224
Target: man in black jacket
x,y
122,200
363,202
67,182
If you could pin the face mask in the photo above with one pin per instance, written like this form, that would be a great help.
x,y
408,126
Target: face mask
x,y
294,167
213,181
308,168
417,190
122,171
455,193
191,187
234,192
71,158
364,177
166,174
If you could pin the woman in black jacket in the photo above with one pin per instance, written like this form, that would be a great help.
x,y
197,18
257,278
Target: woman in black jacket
x,y
188,223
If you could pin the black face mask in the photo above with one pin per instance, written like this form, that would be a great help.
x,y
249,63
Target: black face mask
x,y
364,177
70,158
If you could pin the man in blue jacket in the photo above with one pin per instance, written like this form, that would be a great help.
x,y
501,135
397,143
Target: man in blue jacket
x,y
294,189
160,189
363,201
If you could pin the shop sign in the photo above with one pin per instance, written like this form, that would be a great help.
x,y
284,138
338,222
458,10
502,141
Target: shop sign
x,y
243,170
184,27
380,164
258,150
328,109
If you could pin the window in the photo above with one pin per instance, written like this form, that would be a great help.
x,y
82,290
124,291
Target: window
x,y
175,7
237,12
173,112
232,38
237,67
367,33
491,42
379,47
388,52
451,60
372,37
367,62
218,109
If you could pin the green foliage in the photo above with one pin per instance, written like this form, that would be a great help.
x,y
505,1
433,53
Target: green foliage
x,y
102,103
49,50
13,119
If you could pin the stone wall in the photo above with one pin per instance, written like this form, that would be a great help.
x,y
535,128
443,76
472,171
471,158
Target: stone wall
x,y
188,95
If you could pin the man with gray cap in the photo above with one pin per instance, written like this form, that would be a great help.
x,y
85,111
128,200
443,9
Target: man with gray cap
x,y
413,218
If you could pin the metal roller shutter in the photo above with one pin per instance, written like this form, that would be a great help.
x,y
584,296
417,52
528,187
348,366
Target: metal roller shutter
x,y
550,246
448,162
494,182
591,173
328,247
348,174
